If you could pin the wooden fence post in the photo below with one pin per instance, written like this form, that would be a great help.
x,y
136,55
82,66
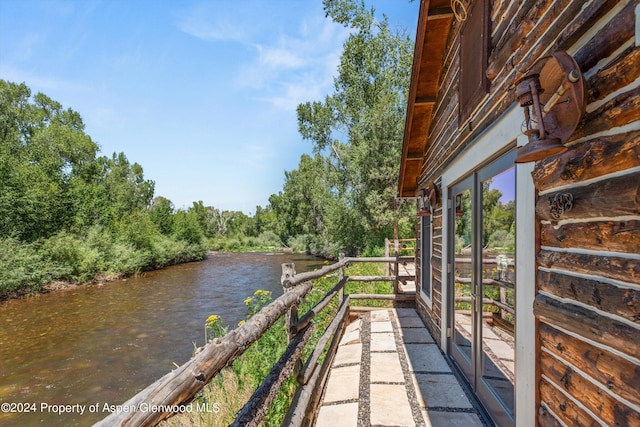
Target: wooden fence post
x,y
291,319
288,271
340,277
386,255
396,246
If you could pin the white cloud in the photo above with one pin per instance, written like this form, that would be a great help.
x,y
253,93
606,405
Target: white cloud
x,y
293,93
278,57
293,64
223,30
231,21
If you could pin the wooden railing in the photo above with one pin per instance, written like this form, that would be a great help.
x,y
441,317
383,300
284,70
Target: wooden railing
x,y
398,249
181,385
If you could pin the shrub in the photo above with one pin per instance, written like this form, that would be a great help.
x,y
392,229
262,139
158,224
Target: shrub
x,y
22,268
128,260
136,229
62,252
269,239
251,242
187,228
297,243
232,244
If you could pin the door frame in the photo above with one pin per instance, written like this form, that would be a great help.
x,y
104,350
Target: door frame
x,y
496,139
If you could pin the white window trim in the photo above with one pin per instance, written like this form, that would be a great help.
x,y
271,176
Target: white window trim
x,y
503,132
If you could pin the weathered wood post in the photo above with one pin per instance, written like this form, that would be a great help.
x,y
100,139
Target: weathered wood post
x,y
288,271
291,319
386,255
396,247
340,277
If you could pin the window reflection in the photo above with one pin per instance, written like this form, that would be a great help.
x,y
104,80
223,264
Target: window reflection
x,y
463,284
498,285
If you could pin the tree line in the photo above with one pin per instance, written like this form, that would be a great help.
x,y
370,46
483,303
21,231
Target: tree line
x,y
69,214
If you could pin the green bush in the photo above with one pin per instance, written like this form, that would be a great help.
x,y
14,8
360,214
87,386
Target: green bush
x,y
269,239
373,251
127,260
27,267
232,244
187,228
63,255
297,243
22,268
136,229
251,242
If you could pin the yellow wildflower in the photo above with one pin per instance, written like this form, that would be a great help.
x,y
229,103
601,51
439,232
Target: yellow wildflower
x,y
214,318
261,293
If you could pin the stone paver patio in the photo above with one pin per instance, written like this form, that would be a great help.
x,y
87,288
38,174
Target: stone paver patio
x,y
388,371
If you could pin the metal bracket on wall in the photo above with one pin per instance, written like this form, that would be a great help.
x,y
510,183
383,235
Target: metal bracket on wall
x,y
559,204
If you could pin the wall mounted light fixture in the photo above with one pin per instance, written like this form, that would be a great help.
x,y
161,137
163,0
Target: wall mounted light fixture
x,y
553,103
428,199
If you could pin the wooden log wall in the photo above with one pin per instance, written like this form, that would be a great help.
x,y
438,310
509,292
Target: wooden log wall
x,y
588,301
588,262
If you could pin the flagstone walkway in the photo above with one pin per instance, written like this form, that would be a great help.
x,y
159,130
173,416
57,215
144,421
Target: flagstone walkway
x,y
388,371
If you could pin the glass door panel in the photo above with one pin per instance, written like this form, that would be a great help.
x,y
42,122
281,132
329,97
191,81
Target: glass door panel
x,y
463,276
498,287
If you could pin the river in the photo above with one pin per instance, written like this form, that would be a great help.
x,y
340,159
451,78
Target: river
x,y
102,344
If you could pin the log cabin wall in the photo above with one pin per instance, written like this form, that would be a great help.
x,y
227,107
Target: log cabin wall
x,y
587,301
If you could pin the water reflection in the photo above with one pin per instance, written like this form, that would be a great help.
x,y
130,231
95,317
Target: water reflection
x,y
102,344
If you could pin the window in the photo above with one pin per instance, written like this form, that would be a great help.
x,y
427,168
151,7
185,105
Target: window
x,y
425,258
474,48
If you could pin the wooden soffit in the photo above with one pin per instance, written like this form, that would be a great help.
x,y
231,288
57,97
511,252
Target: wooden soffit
x,y
434,24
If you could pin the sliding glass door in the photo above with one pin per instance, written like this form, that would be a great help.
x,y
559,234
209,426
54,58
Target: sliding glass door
x,y
482,284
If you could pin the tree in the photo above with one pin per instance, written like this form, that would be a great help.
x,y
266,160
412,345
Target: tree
x,y
187,228
359,128
161,214
302,205
44,155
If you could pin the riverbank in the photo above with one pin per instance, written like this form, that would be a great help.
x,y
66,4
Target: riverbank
x,y
104,278
65,260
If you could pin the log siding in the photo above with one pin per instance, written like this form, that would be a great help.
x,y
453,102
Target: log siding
x,y
587,301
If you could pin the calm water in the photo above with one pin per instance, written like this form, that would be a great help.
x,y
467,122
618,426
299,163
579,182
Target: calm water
x,y
102,344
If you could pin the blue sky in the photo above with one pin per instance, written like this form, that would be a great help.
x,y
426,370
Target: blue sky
x,y
201,93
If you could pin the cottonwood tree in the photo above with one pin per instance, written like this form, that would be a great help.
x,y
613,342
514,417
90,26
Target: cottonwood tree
x,y
44,155
50,177
359,127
